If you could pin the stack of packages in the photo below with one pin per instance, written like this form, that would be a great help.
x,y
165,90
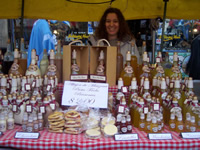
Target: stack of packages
x,y
56,122
73,122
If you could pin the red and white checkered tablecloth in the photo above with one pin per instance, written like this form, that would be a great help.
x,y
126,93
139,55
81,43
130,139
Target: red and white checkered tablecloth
x,y
48,140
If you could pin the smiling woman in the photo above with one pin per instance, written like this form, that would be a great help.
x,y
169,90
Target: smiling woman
x,y
113,27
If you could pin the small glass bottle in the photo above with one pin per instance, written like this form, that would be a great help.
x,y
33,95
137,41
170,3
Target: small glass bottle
x,y
3,124
179,124
154,126
52,69
123,126
24,122
187,122
129,125
74,67
3,85
40,122
10,121
33,68
14,86
119,94
148,123
142,122
127,73
8,58
29,127
101,67
193,127
119,61
16,68
35,123
23,58
59,61
44,63
118,122
133,90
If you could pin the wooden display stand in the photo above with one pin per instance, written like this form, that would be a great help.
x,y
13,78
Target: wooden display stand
x,y
110,57
82,58
88,61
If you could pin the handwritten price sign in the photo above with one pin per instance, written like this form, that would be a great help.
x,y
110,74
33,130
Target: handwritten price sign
x,y
83,93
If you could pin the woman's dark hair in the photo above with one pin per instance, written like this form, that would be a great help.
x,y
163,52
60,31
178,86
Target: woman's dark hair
x,y
123,26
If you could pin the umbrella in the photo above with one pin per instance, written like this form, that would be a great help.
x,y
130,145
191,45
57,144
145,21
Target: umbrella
x,y
92,10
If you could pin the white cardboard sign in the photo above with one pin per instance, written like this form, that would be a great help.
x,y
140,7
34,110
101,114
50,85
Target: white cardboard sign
x,y
85,93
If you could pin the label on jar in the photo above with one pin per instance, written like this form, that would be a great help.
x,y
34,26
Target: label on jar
x,y
142,125
128,69
40,125
29,129
35,126
155,129
10,125
192,129
2,127
24,127
180,127
172,125
129,127
124,129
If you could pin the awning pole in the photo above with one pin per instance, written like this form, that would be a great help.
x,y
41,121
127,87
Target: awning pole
x,y
22,19
163,25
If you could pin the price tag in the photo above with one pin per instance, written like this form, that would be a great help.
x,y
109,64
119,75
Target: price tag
x,y
29,108
48,87
126,137
190,135
42,109
27,87
146,110
98,78
27,135
79,77
33,84
124,89
121,109
14,108
156,107
160,136
53,106
85,93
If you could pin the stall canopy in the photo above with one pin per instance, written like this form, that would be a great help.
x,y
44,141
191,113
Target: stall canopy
x,y
91,10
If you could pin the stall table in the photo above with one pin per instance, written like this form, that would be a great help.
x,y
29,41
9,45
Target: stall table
x,y
48,140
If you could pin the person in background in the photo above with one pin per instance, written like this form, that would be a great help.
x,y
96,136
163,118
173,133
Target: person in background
x,y
113,28
193,66
41,38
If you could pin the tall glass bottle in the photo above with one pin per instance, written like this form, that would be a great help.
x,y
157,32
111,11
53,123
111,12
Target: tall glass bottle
x,y
134,62
158,71
74,67
144,70
177,93
101,67
44,63
59,61
119,61
119,94
52,69
16,68
127,73
174,71
33,68
8,58
23,57
133,90
167,65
